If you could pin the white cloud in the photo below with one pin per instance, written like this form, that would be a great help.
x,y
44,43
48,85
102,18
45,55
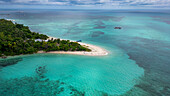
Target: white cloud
x,y
109,3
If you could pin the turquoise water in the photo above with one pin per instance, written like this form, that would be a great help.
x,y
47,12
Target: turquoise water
x,y
113,75
138,54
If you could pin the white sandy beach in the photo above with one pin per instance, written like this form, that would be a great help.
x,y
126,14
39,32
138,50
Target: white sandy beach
x,y
96,51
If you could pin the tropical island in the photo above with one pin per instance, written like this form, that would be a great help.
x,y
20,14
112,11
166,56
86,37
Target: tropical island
x,y
17,39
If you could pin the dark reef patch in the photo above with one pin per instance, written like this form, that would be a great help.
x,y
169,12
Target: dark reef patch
x,y
99,27
33,86
8,62
117,19
150,54
99,23
166,21
106,18
73,29
161,19
38,85
153,56
96,33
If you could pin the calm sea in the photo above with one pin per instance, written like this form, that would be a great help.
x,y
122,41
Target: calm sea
x,y
137,65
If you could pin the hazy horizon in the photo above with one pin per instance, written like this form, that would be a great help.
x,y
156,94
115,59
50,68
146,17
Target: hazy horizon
x,y
85,4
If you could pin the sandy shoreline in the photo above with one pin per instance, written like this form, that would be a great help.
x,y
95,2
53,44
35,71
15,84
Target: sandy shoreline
x,y
96,51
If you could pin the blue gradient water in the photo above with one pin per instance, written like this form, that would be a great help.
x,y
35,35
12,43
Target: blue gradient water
x,y
137,64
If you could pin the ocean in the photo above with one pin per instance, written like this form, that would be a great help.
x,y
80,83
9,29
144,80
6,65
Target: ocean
x,y
137,65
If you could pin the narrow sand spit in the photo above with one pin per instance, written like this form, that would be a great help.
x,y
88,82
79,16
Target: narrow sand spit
x,y
96,51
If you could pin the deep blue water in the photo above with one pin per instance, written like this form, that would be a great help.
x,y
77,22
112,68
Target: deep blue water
x,y
138,63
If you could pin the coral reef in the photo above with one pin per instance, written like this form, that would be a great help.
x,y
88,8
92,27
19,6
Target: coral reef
x,y
8,62
38,85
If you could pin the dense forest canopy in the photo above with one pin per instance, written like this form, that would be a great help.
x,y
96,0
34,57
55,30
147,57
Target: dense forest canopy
x,y
16,39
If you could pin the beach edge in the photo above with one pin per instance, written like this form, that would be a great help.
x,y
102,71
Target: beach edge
x,y
95,50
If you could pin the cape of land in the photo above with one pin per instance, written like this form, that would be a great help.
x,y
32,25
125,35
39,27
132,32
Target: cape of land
x,y
17,39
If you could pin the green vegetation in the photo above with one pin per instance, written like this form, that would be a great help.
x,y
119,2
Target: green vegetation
x,y
16,39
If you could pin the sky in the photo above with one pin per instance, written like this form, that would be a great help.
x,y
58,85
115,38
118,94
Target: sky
x,y
86,4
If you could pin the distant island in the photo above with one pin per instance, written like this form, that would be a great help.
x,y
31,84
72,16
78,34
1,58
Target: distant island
x,y
17,39
4,14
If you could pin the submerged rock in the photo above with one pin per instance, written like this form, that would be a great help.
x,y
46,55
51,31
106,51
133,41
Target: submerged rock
x,y
118,28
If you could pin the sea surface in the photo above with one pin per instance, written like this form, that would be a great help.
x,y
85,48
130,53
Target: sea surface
x,y
138,63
